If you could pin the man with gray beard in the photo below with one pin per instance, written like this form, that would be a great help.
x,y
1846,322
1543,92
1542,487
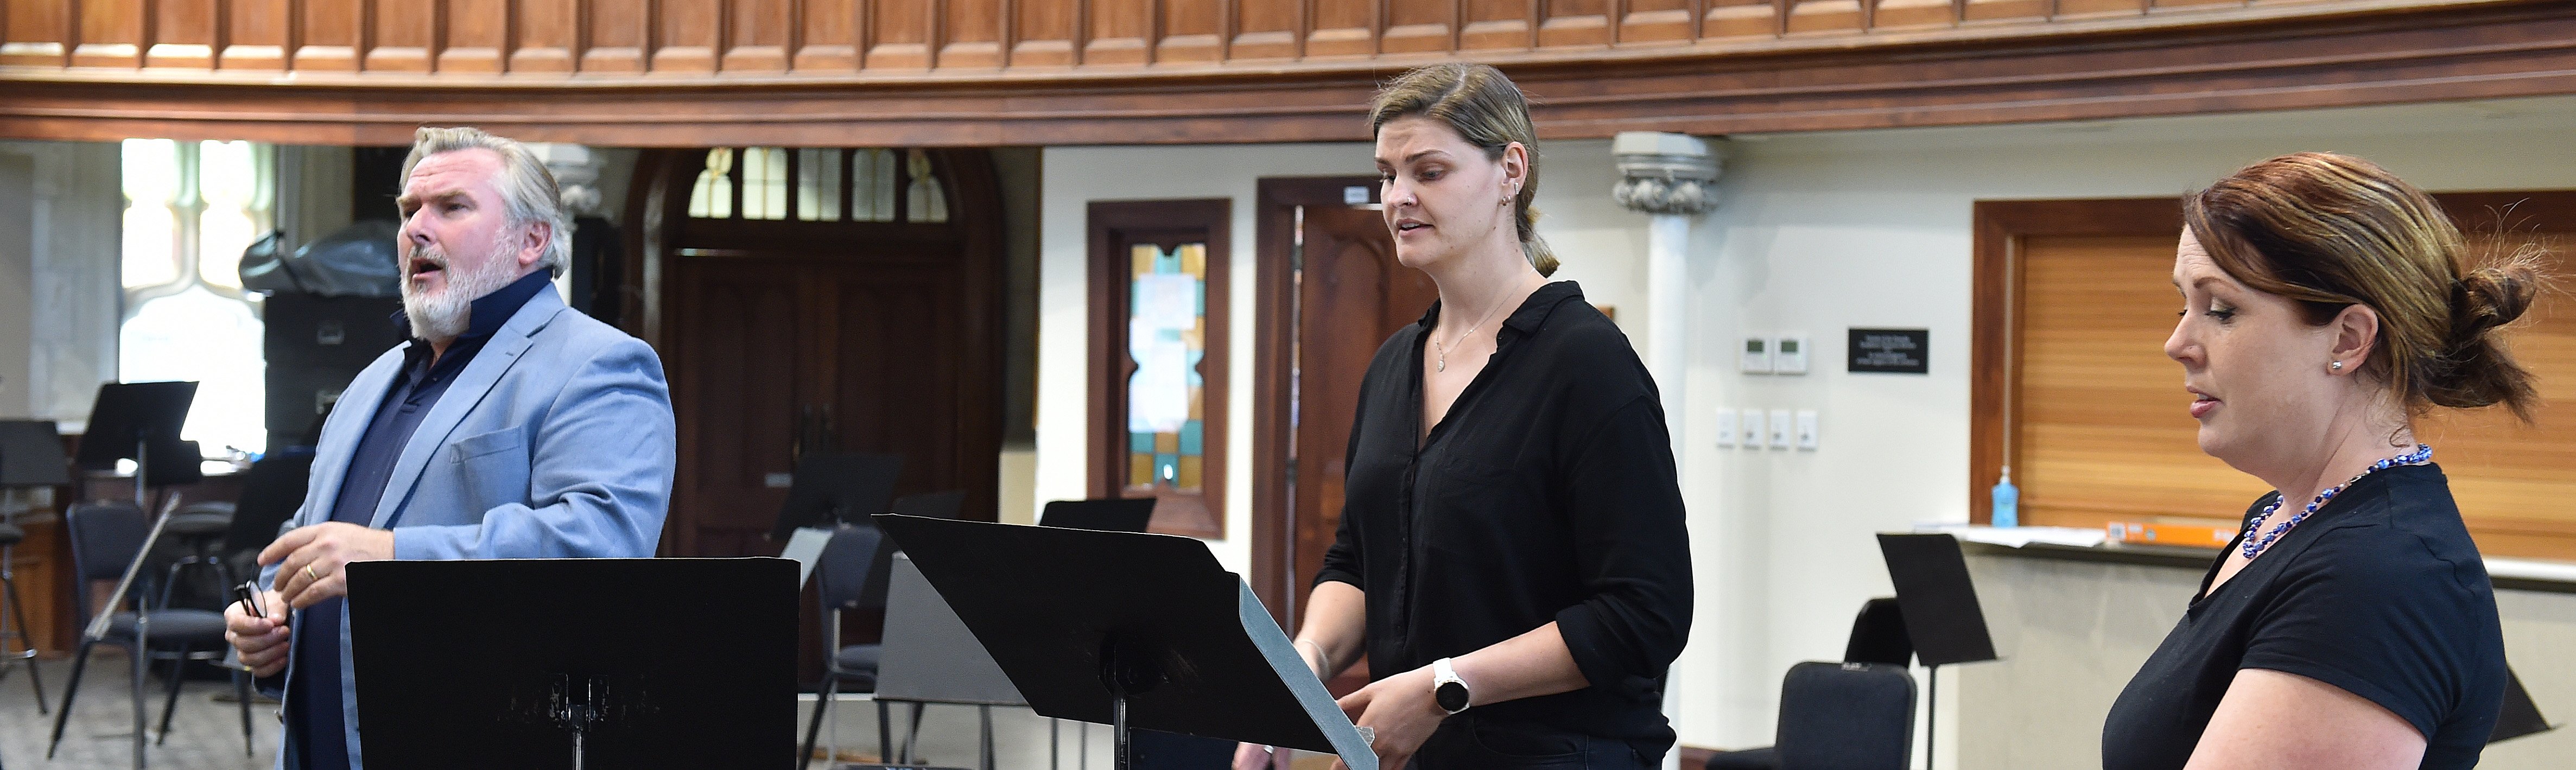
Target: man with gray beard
x,y
509,427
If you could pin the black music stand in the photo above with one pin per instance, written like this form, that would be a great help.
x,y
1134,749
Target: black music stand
x,y
1112,515
140,421
1939,603
832,488
31,455
551,663
1132,630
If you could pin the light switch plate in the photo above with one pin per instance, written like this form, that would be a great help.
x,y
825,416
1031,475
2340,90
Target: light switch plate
x,y
1789,354
1806,429
1751,434
1780,429
1726,428
1757,355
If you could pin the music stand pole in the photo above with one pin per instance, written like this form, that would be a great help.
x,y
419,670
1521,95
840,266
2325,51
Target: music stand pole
x,y
98,625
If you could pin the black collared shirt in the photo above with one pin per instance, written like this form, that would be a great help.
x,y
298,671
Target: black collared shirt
x,y
314,705
1546,494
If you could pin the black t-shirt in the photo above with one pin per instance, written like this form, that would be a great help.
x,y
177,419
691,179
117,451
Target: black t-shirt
x,y
1547,494
2380,593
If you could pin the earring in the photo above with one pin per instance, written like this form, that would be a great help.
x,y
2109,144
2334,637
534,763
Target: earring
x,y
2337,366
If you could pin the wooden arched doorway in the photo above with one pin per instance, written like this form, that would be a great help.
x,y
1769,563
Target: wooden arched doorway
x,y
840,298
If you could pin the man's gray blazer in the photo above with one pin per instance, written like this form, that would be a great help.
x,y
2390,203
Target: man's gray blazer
x,y
555,442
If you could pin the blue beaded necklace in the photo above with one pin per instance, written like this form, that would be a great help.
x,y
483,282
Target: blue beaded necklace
x,y
2422,453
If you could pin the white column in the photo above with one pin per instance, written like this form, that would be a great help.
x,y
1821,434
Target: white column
x,y
1671,177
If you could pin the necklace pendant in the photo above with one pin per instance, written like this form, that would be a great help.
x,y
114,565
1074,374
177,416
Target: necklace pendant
x,y
1440,364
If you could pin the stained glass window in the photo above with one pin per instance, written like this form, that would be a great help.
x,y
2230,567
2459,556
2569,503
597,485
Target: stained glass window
x,y
1166,338
191,208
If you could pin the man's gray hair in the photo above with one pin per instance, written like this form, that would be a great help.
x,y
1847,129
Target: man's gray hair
x,y
528,190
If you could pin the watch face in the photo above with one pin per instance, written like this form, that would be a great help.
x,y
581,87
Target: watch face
x,y
1452,696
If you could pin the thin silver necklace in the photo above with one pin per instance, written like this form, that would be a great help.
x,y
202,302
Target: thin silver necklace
x,y
1441,364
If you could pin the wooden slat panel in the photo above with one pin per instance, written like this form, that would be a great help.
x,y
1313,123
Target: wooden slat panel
x,y
759,35
1825,16
1575,23
686,34
255,35
1742,19
2099,8
621,36
1655,21
403,33
35,33
1902,14
1044,34
899,34
548,31
1343,28
1192,31
330,36
1496,25
1418,26
2102,433
1118,32
477,33
111,35
971,35
183,35
1265,29
1991,10
829,39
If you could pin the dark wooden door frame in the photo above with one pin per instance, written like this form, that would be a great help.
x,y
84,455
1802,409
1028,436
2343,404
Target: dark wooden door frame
x,y
658,203
1274,362
1107,224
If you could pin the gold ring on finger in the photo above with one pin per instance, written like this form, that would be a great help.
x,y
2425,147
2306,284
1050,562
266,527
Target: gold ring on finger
x,y
308,574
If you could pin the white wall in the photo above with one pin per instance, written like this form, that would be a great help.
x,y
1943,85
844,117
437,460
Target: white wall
x,y
1598,243
68,249
1819,233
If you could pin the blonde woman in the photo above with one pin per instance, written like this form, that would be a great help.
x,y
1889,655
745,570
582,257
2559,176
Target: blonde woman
x,y
1512,557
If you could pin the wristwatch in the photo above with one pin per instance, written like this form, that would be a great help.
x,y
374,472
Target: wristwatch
x,y
1447,688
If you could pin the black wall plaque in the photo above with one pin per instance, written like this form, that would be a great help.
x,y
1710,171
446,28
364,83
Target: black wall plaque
x,y
1900,351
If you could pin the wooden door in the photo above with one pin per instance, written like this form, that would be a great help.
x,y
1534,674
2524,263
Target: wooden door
x,y
1333,293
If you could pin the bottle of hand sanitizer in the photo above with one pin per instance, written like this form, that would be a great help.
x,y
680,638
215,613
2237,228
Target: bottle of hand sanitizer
x,y
2007,498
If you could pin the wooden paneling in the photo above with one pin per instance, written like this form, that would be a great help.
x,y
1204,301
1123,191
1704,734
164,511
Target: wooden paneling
x,y
329,42
982,72
35,33
183,34
255,35
2098,429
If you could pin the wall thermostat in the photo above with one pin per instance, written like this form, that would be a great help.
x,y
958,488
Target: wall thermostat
x,y
1789,355
1757,355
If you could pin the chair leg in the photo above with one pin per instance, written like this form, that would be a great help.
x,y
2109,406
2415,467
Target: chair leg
x,y
885,732
80,660
178,671
241,694
814,727
19,609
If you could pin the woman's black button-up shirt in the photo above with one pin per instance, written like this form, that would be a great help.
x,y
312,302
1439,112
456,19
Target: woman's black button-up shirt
x,y
1546,494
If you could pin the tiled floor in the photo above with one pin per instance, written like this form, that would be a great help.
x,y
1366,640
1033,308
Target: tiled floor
x,y
204,734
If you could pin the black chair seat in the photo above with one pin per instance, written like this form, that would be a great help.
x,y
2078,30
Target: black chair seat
x,y
199,525
858,665
10,534
1765,758
201,629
